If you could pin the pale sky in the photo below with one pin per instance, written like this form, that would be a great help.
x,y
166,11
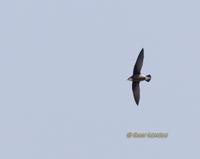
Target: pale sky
x,y
63,79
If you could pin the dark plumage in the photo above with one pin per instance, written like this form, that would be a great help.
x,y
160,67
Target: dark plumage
x,y
137,77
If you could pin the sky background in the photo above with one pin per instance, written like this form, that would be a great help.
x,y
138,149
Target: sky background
x,y
63,71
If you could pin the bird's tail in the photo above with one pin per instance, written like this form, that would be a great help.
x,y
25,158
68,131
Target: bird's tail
x,y
148,78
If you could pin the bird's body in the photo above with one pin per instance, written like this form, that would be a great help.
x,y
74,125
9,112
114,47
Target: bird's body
x,y
137,77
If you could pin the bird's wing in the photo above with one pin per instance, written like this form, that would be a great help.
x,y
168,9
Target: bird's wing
x,y
139,63
136,91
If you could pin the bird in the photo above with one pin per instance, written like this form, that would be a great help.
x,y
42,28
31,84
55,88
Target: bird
x,y
137,77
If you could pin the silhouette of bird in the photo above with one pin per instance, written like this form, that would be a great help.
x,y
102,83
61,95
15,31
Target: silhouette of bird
x,y
137,77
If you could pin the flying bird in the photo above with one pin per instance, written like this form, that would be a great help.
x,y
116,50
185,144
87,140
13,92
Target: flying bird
x,y
137,77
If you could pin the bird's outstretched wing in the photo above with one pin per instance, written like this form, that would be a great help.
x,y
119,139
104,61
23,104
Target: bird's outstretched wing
x,y
139,63
136,91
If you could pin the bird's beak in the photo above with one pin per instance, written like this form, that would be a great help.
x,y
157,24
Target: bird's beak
x,y
129,79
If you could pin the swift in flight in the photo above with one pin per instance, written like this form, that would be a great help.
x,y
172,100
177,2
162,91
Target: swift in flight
x,y
137,77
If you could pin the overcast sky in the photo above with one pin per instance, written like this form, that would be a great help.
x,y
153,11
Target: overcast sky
x,y
63,79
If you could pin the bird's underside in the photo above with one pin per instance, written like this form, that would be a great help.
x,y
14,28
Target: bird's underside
x,y
137,77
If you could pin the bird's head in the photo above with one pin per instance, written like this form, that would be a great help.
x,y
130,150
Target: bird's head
x,y
130,78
